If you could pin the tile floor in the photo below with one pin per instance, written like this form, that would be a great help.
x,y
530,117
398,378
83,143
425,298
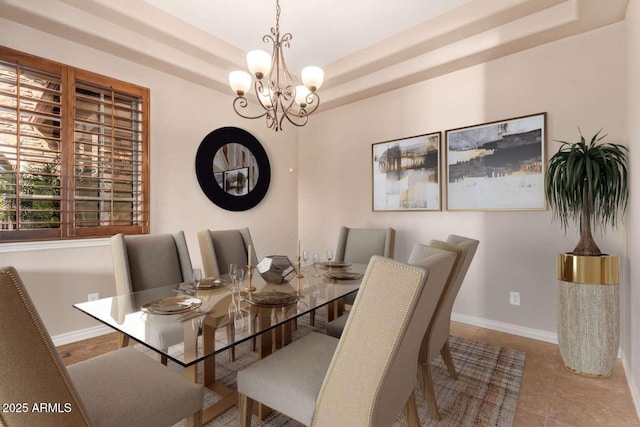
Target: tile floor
x,y
550,396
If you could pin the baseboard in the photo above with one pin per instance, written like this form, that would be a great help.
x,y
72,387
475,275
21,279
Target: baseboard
x,y
82,334
508,328
635,393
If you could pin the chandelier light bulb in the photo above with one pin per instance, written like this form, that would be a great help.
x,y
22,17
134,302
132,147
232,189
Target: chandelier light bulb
x,y
301,95
240,82
312,77
259,63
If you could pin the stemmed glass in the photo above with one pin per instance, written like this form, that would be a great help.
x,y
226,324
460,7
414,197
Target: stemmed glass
x,y
329,257
236,274
197,277
239,279
316,261
233,272
305,258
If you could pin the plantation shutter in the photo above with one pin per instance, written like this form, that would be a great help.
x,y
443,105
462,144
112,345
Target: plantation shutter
x,y
73,152
30,150
109,158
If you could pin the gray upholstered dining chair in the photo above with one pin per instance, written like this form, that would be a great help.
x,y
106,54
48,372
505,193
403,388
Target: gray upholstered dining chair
x,y
436,339
322,381
149,261
358,245
219,248
121,388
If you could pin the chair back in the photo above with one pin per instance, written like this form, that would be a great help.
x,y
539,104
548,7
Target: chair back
x,y
150,260
439,328
31,371
373,369
360,244
219,248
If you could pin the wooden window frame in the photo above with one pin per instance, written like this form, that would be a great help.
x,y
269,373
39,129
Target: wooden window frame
x,y
68,77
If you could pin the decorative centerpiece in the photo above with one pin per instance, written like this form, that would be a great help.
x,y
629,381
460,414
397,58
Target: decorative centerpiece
x,y
588,184
276,269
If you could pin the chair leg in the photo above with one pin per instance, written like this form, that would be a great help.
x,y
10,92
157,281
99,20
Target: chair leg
x,y
246,410
123,340
445,351
194,420
411,411
163,359
429,393
231,334
312,318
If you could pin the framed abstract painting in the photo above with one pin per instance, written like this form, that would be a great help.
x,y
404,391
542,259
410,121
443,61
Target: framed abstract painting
x,y
497,166
406,174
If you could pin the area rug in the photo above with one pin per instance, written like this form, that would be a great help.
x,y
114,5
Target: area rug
x,y
485,393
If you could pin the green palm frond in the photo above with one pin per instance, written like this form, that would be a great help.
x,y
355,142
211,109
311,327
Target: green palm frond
x,y
602,166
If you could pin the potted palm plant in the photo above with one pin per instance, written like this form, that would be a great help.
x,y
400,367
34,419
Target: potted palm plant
x,y
587,183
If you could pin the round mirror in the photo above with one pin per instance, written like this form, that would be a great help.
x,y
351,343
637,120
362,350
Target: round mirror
x,y
233,169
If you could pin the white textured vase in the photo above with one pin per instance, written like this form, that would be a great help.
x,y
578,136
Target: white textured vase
x,y
588,317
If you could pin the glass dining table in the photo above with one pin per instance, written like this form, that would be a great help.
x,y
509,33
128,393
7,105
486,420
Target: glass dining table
x,y
180,322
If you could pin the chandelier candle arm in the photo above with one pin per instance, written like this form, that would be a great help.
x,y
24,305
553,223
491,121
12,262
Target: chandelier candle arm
x,y
274,89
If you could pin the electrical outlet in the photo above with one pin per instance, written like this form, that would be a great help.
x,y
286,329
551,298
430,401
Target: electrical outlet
x,y
514,298
93,297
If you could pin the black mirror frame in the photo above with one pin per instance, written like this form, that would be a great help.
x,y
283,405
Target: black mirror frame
x,y
204,168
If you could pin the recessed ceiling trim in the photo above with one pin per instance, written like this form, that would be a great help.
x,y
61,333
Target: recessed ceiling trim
x,y
468,35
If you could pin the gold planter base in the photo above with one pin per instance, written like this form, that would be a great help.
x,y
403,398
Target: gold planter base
x,y
588,315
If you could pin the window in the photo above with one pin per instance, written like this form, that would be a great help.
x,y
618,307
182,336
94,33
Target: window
x,y
73,152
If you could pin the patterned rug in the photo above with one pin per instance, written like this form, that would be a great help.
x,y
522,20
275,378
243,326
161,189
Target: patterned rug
x,y
485,393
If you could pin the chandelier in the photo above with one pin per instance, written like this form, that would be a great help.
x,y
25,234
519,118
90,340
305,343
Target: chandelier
x,y
274,88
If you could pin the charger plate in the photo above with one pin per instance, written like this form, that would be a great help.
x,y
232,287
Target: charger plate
x,y
172,305
335,264
270,298
342,275
212,283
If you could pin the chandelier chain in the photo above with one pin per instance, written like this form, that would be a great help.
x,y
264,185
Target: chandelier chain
x,y
278,16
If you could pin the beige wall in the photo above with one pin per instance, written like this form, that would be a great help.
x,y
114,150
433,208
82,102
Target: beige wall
x,y
631,339
182,114
578,81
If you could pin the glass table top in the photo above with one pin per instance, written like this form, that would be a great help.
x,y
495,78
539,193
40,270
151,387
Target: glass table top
x,y
165,318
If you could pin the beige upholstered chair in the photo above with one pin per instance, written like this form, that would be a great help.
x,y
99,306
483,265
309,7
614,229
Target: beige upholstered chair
x,y
366,377
149,261
219,248
121,388
436,339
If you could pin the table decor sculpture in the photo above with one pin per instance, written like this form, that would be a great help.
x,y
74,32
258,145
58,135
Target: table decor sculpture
x,y
276,269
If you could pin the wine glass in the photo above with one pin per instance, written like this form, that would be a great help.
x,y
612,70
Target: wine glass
x,y
305,258
239,279
329,257
197,277
316,261
233,272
